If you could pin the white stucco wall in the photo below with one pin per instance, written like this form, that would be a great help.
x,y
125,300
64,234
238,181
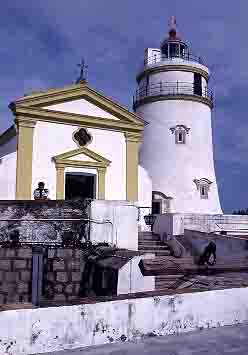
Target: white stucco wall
x,y
58,328
8,170
144,197
81,107
123,229
131,280
173,167
51,139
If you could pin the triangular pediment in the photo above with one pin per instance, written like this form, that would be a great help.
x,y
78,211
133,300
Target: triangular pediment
x,y
78,99
83,155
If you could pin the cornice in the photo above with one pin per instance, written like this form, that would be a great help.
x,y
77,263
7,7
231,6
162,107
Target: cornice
x,y
24,113
89,153
150,99
133,137
63,163
171,67
202,181
75,92
24,122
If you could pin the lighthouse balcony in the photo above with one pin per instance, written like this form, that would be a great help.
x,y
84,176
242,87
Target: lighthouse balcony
x,y
172,91
159,58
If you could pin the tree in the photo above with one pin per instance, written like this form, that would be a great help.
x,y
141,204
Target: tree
x,y
241,212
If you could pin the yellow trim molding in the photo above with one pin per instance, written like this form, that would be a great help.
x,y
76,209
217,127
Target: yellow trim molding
x,y
24,159
132,163
75,92
101,183
63,161
171,67
58,117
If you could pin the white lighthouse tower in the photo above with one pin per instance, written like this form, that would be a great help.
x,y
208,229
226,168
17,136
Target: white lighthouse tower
x,y
177,149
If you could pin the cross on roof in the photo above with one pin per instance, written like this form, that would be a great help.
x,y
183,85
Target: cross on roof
x,y
83,67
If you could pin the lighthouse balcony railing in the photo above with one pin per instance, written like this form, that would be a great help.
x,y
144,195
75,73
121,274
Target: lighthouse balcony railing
x,y
158,58
172,88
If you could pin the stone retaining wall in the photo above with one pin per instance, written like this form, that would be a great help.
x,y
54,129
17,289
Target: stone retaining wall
x,y
62,274
15,275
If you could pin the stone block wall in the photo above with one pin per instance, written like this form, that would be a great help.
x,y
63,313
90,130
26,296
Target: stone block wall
x,y
15,275
62,274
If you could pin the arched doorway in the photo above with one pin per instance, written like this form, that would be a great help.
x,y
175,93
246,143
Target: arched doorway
x,y
160,203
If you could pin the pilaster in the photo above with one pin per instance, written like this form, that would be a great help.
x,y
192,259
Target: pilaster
x,y
101,183
60,182
25,132
132,162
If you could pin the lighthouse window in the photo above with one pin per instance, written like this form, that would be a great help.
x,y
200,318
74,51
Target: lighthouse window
x,y
174,50
180,136
180,132
203,186
204,191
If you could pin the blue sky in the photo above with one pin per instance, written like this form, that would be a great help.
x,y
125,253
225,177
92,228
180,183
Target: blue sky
x,y
42,41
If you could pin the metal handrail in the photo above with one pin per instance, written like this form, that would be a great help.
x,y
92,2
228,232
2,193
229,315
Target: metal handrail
x,y
172,88
157,58
239,230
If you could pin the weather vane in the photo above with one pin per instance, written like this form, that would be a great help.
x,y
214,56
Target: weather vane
x,y
83,67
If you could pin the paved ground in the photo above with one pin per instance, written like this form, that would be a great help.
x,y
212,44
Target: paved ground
x,y
225,340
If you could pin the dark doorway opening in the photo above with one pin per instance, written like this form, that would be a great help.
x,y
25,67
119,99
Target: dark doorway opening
x,y
197,84
156,207
80,186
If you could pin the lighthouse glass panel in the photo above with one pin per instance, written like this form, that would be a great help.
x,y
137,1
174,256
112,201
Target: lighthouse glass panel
x,y
174,50
182,50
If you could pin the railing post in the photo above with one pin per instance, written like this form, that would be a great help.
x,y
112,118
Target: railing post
x,y
177,87
161,87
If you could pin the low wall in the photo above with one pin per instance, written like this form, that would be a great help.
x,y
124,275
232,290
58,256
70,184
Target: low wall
x,y
130,278
207,223
175,223
42,221
226,247
123,229
59,328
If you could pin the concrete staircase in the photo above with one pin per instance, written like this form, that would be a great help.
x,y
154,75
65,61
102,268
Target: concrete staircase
x,y
149,243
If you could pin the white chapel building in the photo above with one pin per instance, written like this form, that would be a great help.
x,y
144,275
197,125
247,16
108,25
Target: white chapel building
x,y
82,144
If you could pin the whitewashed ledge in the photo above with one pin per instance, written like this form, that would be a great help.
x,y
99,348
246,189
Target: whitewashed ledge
x,y
32,331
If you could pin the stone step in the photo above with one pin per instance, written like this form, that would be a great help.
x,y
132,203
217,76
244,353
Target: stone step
x,y
153,247
163,252
149,237
161,278
166,281
151,242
